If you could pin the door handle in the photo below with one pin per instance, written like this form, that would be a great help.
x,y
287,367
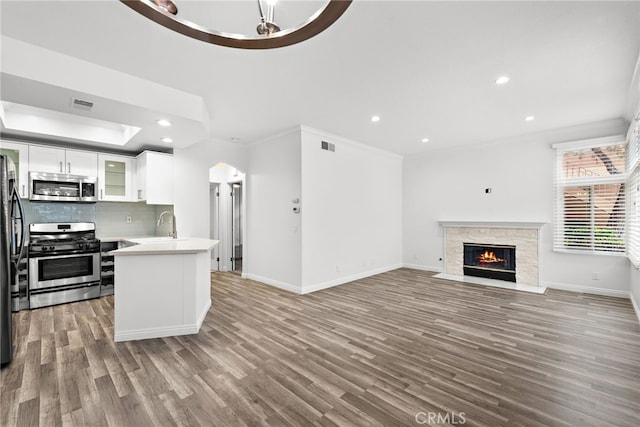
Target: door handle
x,y
15,201
61,171
69,167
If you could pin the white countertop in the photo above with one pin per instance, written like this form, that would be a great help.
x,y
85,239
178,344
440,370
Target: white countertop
x,y
162,245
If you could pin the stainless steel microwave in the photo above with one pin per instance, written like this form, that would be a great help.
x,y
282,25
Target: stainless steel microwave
x,y
57,187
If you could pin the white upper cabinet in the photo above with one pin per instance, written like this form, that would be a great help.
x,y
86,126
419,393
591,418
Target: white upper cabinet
x,y
59,160
82,162
115,178
19,153
154,178
46,159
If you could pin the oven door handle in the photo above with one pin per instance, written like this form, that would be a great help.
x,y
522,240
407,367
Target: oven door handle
x,y
78,255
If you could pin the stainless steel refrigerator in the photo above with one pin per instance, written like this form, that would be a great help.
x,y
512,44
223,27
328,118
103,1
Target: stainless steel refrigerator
x,y
12,236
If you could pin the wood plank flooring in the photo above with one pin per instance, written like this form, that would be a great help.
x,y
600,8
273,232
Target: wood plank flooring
x,y
374,352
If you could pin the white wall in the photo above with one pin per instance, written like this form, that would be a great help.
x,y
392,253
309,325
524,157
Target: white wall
x,y
351,211
273,253
449,185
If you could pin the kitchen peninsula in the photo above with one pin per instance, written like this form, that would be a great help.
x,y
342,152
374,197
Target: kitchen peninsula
x,y
163,287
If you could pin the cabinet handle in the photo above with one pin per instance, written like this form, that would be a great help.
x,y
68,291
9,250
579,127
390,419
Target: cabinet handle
x,y
61,167
69,167
23,191
100,194
139,194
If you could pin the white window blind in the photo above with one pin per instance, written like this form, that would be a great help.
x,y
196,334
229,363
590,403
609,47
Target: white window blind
x,y
633,194
590,190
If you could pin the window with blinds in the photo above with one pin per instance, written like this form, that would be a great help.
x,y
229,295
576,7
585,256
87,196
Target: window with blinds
x,y
633,194
590,189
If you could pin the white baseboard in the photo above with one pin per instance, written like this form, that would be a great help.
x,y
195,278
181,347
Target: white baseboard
x,y
170,331
586,289
636,307
203,314
142,334
319,286
278,284
342,280
431,268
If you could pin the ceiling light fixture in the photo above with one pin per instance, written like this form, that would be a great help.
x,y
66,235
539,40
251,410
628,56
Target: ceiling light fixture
x,y
529,118
502,80
167,140
166,5
375,119
425,139
163,122
165,13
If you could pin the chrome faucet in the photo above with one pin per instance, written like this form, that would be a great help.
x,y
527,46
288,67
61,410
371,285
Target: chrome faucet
x,y
173,233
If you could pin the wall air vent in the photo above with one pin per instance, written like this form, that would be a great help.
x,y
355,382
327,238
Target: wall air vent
x,y
328,146
81,104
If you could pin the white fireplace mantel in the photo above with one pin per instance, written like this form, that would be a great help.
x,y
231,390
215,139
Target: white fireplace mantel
x,y
493,224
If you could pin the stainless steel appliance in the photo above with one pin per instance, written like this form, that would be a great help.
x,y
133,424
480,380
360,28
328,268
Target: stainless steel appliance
x,y
11,248
58,187
64,263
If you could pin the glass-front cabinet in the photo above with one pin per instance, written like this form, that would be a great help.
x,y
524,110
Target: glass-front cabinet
x,y
115,178
19,153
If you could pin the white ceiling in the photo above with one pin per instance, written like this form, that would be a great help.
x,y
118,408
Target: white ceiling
x,y
426,68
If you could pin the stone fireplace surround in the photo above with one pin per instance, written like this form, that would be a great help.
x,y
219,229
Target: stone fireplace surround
x,y
525,236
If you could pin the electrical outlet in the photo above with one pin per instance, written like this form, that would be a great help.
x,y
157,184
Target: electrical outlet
x,y
595,276
129,219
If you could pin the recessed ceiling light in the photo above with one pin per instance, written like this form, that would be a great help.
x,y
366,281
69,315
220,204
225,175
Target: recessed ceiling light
x,y
529,118
163,122
167,140
375,118
425,139
502,80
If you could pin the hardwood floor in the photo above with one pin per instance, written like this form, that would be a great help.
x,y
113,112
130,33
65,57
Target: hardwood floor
x,y
378,351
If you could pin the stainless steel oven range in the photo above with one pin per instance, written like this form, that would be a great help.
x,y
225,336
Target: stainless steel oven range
x,y
64,263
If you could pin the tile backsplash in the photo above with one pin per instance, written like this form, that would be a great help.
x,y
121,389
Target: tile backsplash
x,y
110,217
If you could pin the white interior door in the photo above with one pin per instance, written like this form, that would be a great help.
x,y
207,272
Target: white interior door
x,y
214,226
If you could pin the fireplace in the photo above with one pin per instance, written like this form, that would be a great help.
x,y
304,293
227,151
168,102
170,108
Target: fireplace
x,y
490,261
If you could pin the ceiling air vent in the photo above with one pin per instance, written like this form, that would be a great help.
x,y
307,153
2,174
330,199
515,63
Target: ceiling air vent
x,y
81,104
328,146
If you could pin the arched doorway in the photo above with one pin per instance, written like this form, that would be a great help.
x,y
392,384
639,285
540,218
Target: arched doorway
x,y
227,217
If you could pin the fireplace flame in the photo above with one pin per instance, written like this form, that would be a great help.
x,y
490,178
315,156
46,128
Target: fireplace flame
x,y
488,257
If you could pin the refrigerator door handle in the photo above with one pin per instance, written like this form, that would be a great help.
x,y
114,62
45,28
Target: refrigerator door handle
x,y
17,202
